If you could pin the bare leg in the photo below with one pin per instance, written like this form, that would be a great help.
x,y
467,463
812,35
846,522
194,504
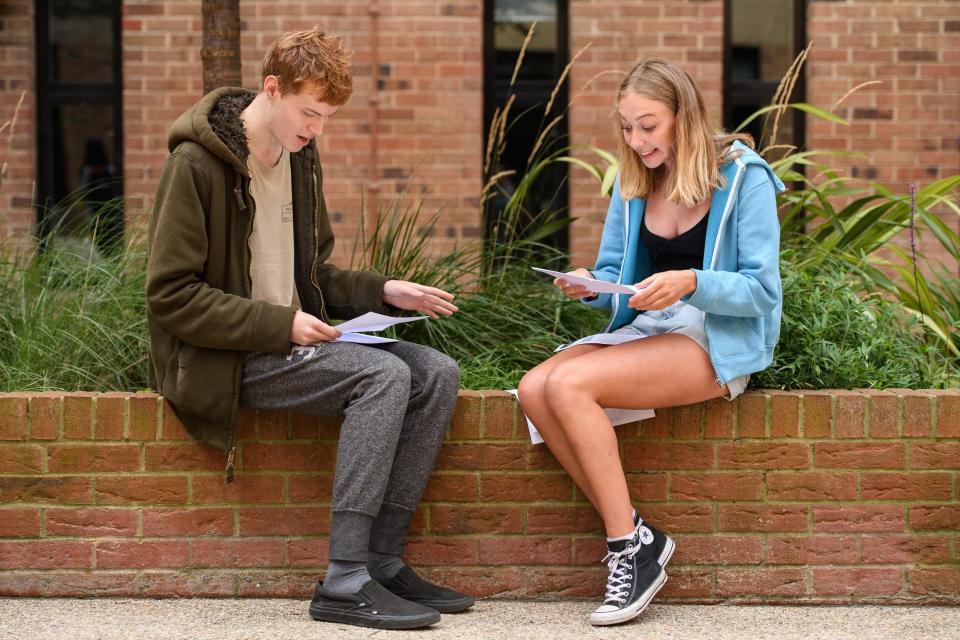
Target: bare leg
x,y
532,396
661,371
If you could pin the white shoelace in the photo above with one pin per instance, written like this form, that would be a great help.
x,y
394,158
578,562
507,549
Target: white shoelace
x,y
618,582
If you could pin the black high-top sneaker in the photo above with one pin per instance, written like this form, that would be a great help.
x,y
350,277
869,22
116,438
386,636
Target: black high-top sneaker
x,y
663,545
635,577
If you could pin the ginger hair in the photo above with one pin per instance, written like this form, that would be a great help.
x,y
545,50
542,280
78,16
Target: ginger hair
x,y
311,60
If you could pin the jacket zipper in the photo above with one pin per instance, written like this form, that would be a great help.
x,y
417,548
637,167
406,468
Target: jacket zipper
x,y
623,261
716,245
238,191
241,201
726,211
230,456
316,242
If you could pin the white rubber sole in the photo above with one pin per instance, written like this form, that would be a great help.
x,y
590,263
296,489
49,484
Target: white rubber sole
x,y
632,611
667,552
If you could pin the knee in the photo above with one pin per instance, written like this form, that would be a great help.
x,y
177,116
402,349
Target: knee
x,y
444,372
564,381
393,372
530,391
448,370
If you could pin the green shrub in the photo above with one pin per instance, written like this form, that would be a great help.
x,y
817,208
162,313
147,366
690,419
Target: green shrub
x,y
71,319
511,318
512,323
834,338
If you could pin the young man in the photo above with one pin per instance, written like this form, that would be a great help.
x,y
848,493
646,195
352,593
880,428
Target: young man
x,y
238,277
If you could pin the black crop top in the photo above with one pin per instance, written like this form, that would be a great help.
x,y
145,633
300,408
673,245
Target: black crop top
x,y
684,251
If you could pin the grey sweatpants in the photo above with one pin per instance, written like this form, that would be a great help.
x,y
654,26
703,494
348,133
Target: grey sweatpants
x,y
397,400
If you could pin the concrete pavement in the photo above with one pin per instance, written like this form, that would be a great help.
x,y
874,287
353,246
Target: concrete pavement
x,y
251,619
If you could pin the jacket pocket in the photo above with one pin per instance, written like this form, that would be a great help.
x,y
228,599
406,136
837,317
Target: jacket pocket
x,y
164,359
733,336
185,355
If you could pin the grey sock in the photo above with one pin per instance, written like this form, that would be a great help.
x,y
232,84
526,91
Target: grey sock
x,y
344,576
384,565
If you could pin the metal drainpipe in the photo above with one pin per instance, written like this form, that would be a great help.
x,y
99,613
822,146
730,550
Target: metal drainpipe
x,y
373,182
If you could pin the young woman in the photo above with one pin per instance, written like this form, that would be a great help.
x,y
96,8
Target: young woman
x,y
692,224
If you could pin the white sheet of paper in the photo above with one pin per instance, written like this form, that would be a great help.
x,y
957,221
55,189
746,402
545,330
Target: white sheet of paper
x,y
592,284
616,416
371,321
362,338
602,338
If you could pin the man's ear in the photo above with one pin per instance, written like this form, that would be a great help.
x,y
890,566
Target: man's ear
x,y
271,86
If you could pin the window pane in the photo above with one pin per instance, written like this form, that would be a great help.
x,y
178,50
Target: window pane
x,y
542,63
762,34
85,178
85,145
511,21
81,40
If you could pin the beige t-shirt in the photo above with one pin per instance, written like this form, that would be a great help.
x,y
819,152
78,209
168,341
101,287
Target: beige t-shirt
x,y
271,243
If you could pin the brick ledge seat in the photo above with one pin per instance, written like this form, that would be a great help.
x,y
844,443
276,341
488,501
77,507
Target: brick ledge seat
x,y
780,497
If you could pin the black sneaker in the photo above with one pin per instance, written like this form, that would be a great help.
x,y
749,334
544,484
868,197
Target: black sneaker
x,y
663,545
409,586
635,577
372,606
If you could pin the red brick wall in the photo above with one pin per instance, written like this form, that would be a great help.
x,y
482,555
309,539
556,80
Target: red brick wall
x,y
161,78
17,149
821,496
906,129
430,102
429,112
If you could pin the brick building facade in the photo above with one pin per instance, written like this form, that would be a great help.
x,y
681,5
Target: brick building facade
x,y
424,115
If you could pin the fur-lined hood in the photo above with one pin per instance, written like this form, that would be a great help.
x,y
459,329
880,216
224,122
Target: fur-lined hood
x,y
214,123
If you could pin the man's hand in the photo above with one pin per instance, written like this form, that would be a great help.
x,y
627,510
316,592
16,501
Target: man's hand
x,y
417,297
575,291
661,290
308,329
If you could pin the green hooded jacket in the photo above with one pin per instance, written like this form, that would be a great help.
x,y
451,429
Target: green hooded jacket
x,y
201,318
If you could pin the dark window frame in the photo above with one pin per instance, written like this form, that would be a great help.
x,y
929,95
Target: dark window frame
x,y
744,92
51,94
562,99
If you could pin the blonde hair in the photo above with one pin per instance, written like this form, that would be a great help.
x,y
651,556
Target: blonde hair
x,y
311,59
698,151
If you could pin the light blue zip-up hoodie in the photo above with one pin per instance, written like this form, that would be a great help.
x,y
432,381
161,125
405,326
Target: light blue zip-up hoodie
x,y
739,284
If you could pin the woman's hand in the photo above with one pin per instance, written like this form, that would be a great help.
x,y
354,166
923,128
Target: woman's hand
x,y
575,291
417,297
661,290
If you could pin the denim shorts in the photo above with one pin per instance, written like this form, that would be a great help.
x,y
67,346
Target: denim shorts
x,y
686,320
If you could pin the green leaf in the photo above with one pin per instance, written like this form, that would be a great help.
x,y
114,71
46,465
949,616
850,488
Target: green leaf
x,y
801,106
608,179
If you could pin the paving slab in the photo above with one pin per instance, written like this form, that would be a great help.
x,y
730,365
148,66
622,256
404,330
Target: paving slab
x,y
255,619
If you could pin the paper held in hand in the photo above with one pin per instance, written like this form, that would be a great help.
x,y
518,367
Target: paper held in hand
x,y
593,285
351,330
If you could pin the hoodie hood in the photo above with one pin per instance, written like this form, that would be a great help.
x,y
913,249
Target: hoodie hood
x,y
748,156
214,123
